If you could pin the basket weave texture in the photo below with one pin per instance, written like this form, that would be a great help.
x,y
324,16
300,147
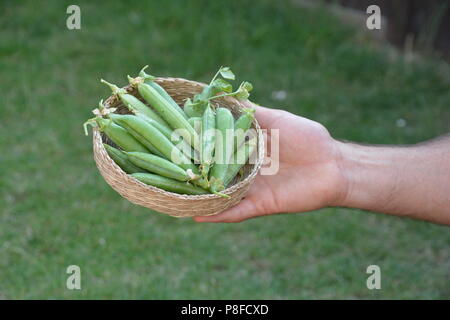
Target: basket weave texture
x,y
174,204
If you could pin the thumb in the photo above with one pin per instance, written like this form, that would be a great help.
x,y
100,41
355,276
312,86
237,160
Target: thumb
x,y
265,116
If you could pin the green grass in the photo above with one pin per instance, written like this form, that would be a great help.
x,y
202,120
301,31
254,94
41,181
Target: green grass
x,y
56,210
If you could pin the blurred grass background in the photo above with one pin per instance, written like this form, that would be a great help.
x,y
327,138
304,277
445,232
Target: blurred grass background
x,y
56,210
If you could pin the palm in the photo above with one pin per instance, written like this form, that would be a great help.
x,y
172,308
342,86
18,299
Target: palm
x,y
307,174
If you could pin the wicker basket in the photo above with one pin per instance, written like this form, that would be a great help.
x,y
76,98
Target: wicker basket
x,y
174,204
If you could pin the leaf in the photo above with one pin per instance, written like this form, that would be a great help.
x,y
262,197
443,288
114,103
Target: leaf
x,y
247,85
227,73
199,108
242,95
220,85
243,91
204,95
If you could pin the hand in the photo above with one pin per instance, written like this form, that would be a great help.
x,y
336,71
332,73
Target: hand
x,y
309,177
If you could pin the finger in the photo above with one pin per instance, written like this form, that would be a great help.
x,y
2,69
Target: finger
x,y
242,211
266,117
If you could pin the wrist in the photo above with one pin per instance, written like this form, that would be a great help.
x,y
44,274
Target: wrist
x,y
368,174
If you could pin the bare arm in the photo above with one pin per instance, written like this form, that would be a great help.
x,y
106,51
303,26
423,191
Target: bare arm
x,y
317,171
411,181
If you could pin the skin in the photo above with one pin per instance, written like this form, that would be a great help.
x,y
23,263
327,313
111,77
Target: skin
x,y
317,171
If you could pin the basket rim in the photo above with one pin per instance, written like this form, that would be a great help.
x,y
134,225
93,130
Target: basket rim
x,y
112,100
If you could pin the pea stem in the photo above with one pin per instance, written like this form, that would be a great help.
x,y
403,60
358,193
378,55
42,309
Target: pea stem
x,y
215,76
145,75
92,122
115,89
223,95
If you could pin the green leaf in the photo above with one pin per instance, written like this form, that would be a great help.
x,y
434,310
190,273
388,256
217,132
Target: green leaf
x,y
221,85
200,108
243,91
227,73
204,95
247,85
242,95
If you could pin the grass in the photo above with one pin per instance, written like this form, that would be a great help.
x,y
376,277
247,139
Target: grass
x,y
56,210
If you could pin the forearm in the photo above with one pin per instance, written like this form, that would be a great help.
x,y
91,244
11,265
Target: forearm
x,y
411,181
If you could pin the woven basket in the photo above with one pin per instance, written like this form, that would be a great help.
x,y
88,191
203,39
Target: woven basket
x,y
174,204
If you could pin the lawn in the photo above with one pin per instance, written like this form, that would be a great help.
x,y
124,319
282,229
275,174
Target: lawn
x,y
56,210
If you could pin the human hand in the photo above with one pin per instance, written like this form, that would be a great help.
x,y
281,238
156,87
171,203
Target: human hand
x,y
309,177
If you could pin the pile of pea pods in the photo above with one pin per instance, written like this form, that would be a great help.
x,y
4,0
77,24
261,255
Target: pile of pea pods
x,y
194,150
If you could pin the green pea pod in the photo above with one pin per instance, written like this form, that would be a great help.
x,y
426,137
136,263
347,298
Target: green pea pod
x,y
150,146
196,123
168,184
134,104
167,112
242,124
223,149
117,134
158,165
175,138
141,128
121,159
208,138
239,159
149,79
166,96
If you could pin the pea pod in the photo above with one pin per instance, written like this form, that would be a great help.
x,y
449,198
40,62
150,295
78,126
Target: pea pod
x,y
158,165
134,104
196,123
242,124
189,109
167,112
223,149
168,184
150,146
121,159
117,134
148,79
208,138
239,159
175,138
139,127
